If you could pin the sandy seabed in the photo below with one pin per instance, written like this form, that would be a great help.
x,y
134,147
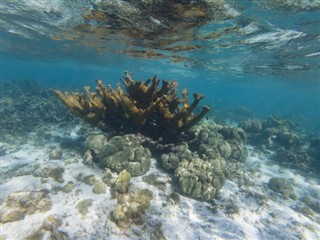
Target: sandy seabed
x,y
64,205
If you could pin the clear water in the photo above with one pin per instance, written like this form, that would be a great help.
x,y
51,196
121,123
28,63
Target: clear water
x,y
261,55
255,54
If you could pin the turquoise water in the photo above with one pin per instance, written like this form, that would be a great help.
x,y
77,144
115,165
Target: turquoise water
x,y
260,55
285,95
250,59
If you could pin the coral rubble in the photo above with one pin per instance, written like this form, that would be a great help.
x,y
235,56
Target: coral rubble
x,y
19,204
132,207
49,229
143,106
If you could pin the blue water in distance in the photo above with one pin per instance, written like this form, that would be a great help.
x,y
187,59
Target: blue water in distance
x,y
269,64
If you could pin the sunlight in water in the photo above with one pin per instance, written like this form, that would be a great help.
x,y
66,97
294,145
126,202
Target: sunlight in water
x,y
160,119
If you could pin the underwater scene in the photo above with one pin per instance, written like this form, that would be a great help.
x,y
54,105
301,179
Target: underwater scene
x,y
160,119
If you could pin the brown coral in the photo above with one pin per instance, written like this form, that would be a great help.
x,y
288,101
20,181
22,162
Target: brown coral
x,y
144,106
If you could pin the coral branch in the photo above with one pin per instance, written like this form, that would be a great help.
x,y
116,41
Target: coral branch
x,y
142,105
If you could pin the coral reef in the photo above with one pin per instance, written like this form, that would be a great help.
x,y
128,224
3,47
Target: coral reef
x,y
271,133
143,106
198,164
217,141
291,147
198,158
27,106
314,152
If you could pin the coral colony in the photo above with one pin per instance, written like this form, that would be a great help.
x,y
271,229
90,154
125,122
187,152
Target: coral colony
x,y
143,106
198,161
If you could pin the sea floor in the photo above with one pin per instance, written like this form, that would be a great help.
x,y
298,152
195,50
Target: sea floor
x,y
49,192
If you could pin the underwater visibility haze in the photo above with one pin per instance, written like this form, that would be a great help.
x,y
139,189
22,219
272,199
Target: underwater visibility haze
x,y
160,119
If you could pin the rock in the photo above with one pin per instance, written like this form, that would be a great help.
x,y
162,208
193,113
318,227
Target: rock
x,y
307,200
125,152
132,208
19,204
68,187
89,180
88,158
282,186
83,206
49,230
51,222
57,174
107,176
50,170
175,197
37,235
55,153
95,143
158,181
70,161
99,188
15,215
123,182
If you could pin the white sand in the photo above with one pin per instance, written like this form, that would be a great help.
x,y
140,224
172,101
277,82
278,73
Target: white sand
x,y
243,211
